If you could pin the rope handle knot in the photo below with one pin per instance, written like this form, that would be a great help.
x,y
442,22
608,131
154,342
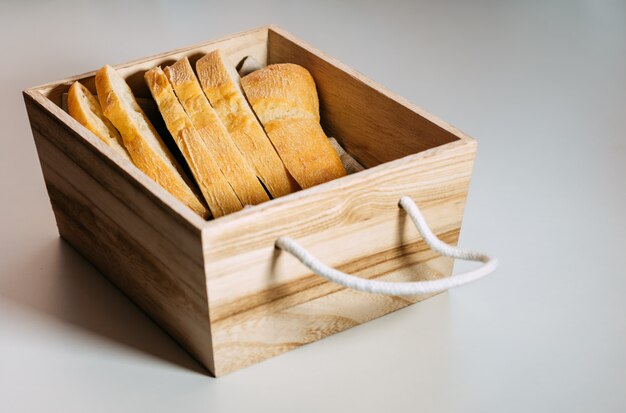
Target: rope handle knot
x,y
287,244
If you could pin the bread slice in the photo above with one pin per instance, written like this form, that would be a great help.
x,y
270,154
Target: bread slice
x,y
85,108
217,192
236,169
143,143
284,98
308,154
220,83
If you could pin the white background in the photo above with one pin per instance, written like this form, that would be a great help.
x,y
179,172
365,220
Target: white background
x,y
540,85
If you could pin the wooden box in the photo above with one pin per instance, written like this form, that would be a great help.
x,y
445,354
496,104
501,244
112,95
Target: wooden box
x,y
220,287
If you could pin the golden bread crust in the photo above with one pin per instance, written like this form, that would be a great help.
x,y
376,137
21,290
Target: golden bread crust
x,y
144,145
236,169
83,106
284,98
216,189
223,92
307,152
281,91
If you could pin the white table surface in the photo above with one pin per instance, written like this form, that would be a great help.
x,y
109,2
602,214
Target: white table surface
x,y
540,85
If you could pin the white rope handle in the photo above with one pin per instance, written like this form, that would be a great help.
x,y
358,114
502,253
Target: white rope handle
x,y
399,288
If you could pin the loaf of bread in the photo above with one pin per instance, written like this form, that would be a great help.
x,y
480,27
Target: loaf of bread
x,y
217,192
85,108
220,83
236,169
143,143
284,98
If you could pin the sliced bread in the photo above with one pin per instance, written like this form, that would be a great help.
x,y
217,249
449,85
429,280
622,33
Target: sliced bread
x,y
143,143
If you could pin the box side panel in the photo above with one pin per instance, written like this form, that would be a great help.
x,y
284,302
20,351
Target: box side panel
x,y
323,309
373,125
264,302
147,250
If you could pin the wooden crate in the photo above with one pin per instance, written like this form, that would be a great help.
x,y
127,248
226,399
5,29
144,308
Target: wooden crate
x,y
221,288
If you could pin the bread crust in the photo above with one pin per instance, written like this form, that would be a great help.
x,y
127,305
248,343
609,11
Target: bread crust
x,y
280,91
307,152
143,143
220,83
217,192
235,167
284,98
83,106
